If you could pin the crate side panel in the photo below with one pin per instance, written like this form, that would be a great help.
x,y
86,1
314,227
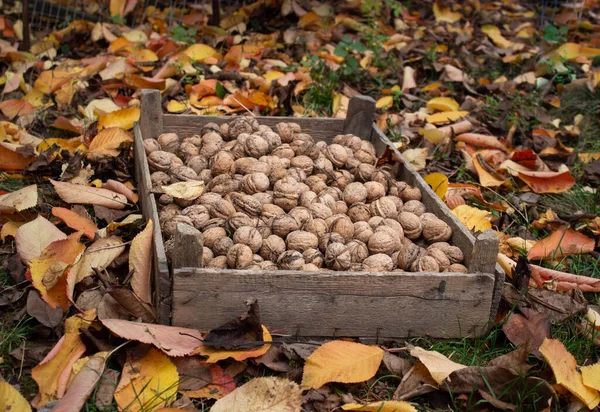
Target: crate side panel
x,y
358,304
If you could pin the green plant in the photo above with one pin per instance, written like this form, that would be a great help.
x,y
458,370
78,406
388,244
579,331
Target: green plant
x,y
319,96
554,35
350,66
183,35
117,19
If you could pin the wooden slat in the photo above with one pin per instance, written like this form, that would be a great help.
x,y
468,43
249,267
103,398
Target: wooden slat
x,y
151,117
319,129
188,247
333,304
359,119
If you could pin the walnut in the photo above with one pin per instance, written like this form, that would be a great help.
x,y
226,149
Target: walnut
x,y
222,163
297,174
301,214
351,164
384,207
211,235
375,222
355,192
264,229
364,172
319,210
187,151
209,198
205,175
248,236
340,208
440,257
220,262
359,212
244,165
284,224
198,214
375,190
267,265
341,224
221,209
393,226
367,147
407,254
169,142
365,157
224,131
301,240
379,262
265,198
383,242
317,227
165,199
396,188
362,231
436,230
337,257
284,152
182,174
246,204
237,220
195,140
291,260
242,124
255,183
309,267
383,177
399,203
348,140
162,161
427,216
454,254
222,246
277,175
414,206
239,256
302,143
323,165
285,194
457,267
151,145
207,256
314,256
170,226
342,178
197,163
411,224
272,247
275,162
169,212
160,179
410,193
358,251
329,238
303,162
336,154
273,139
425,264
270,210
256,146
213,223
287,131
183,203
326,200
334,192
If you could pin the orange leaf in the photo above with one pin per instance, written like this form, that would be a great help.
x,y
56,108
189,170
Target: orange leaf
x,y
75,221
238,100
548,182
65,124
16,107
140,262
481,140
51,80
215,355
107,142
564,280
13,161
222,383
486,178
33,237
119,187
564,366
85,195
561,243
138,82
124,118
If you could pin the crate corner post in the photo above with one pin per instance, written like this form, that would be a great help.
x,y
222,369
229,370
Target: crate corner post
x,y
360,116
151,117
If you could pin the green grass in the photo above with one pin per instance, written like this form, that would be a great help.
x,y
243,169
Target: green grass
x,y
515,109
573,201
580,346
10,184
582,101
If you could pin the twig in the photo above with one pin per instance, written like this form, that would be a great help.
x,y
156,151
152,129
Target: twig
x,y
241,104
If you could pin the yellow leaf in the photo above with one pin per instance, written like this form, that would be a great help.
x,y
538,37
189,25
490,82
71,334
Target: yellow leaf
x,y
124,118
446,117
33,237
189,190
473,218
140,262
385,102
417,158
439,366
486,178
438,182
9,229
200,52
19,200
72,145
494,34
177,107
433,135
591,376
262,394
443,104
99,107
115,7
147,383
564,366
107,142
382,406
444,14
341,361
215,355
432,86
273,75
12,400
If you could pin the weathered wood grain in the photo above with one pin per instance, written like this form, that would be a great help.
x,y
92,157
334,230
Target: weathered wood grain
x,y
359,119
188,247
485,253
151,117
329,304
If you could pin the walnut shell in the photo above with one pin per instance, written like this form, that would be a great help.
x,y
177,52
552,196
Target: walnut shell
x,y
358,251
314,256
362,231
340,208
425,264
256,146
170,226
267,265
182,174
317,227
454,254
207,256
287,130
337,257
383,242
284,224
410,193
151,145
359,212
242,124
239,256
355,192
440,257
348,140
396,188
205,175
301,214
208,198
457,267
427,216
319,210
301,240
323,165
393,225
342,225
342,178
291,260
285,194
309,267
246,204
273,139
160,179
334,192
169,142
238,220
221,209
164,200
336,154
303,162
364,172
197,163
210,236
270,210
384,207
272,247
414,206
222,163
297,174
222,246
255,183
196,140
411,224
265,198
198,214
328,239
365,157
284,152
187,150
169,212
162,161
377,263
408,253
219,262
436,230
248,236
275,162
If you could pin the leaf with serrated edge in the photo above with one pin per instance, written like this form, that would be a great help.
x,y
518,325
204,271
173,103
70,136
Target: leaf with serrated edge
x,y
439,366
262,394
76,221
12,400
189,190
383,406
33,237
140,262
19,200
86,195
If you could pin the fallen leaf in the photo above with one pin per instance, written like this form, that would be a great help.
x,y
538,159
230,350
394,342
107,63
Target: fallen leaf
x,y
481,140
591,376
189,190
548,182
341,361
82,385
33,237
443,104
147,383
124,119
201,52
438,182
268,394
216,355
76,221
44,313
19,200
382,406
221,384
561,243
194,373
79,194
173,341
11,399
486,178
9,229
119,187
494,34
13,161
564,366
564,280
417,158
439,366
140,262
105,390
385,102
445,14
530,330
107,142
446,117
473,218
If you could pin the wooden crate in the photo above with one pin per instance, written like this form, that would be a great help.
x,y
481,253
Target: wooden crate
x,y
319,304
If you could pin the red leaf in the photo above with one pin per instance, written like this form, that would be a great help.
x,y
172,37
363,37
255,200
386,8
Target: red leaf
x,y
561,243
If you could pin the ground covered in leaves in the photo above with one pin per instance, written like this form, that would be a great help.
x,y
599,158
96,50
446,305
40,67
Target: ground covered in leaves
x,y
496,103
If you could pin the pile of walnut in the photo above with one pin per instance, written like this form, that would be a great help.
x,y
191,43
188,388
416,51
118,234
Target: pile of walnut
x,y
276,199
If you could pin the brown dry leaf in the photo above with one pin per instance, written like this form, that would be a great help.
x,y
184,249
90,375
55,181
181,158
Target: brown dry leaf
x,y
216,355
189,190
123,119
439,366
13,161
221,384
119,187
481,140
107,142
171,340
46,315
262,394
86,195
140,262
382,406
147,383
564,366
341,361
530,330
473,218
561,243
19,200
33,237
76,221
82,385
11,399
